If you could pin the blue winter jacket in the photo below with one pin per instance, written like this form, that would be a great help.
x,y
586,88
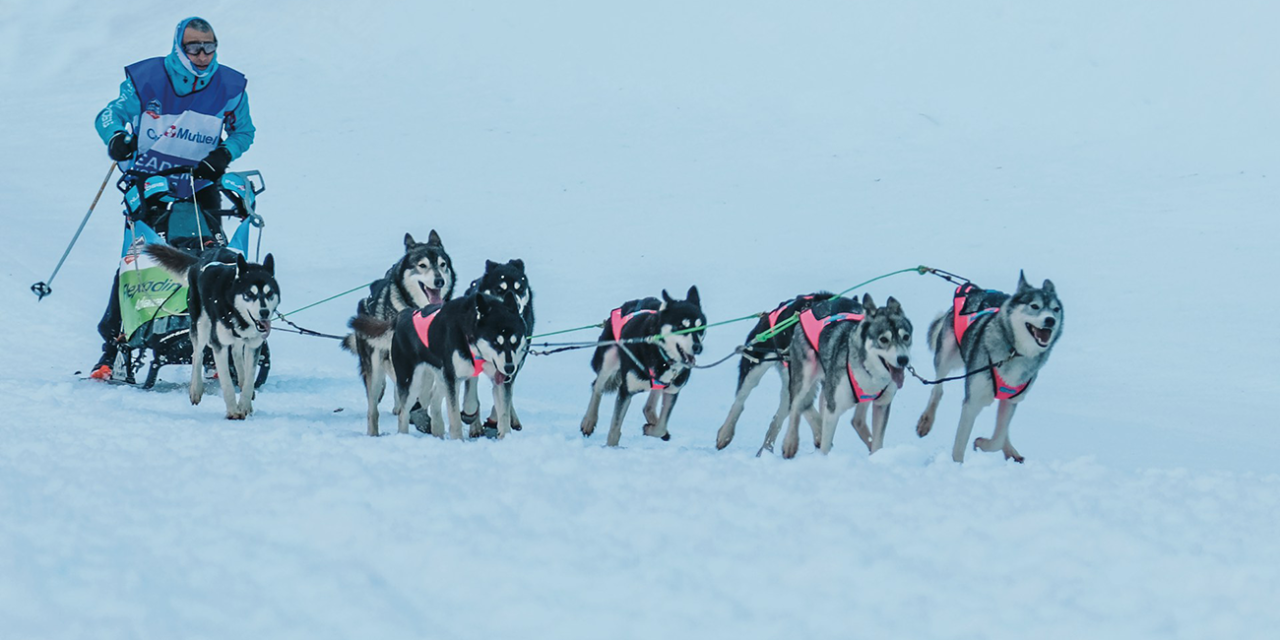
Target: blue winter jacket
x,y
126,109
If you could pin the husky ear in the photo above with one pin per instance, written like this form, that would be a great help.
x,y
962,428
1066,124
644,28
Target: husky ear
x,y
693,298
408,242
241,264
482,304
434,238
269,264
1022,281
1048,287
892,305
868,305
517,263
666,300
489,265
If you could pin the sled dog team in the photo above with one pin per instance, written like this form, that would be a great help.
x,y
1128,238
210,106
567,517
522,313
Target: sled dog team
x,y
841,353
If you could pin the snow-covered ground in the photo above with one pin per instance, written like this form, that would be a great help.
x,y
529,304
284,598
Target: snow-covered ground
x,y
1128,151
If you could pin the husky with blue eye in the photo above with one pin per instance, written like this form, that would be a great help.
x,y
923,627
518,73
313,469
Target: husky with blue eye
x,y
651,346
231,302
1002,341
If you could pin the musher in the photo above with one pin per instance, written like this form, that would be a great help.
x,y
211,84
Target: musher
x,y
174,111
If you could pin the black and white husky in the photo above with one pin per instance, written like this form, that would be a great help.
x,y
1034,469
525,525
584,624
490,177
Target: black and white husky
x,y
422,276
1002,341
436,348
858,352
652,348
508,282
231,302
758,357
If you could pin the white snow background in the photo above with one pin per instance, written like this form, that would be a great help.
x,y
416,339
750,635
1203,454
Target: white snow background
x,y
1125,150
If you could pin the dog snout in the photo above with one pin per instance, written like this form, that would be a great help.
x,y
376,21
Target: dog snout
x,y
697,348
903,361
439,282
1049,322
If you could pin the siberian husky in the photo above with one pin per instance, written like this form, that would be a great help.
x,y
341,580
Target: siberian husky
x,y
652,345
858,352
1002,341
231,302
422,276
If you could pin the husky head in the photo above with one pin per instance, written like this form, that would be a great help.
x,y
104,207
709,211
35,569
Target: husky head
x,y
680,322
1034,317
425,272
499,335
256,293
885,338
502,279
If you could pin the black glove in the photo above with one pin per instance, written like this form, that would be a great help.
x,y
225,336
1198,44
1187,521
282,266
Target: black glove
x,y
213,165
121,146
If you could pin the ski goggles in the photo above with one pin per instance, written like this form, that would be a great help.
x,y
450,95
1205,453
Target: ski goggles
x,y
196,48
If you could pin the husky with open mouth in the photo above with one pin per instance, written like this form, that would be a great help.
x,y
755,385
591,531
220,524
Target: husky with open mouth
x,y
859,353
652,345
1002,342
231,302
422,276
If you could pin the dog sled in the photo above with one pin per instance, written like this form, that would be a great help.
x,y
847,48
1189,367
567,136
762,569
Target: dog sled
x,y
155,325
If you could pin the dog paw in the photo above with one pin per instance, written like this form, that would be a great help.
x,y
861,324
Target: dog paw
x,y
588,429
515,426
924,426
235,415
723,441
979,443
650,430
789,449
1014,457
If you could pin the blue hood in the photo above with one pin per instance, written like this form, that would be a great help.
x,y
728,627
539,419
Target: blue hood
x,y
184,76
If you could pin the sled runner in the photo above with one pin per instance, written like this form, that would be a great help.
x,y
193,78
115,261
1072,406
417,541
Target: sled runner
x,y
155,324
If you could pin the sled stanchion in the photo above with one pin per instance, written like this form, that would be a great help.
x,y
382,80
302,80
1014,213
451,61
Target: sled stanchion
x,y
44,288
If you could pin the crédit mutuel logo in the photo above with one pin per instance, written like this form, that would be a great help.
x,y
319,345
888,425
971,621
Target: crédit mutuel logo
x,y
182,134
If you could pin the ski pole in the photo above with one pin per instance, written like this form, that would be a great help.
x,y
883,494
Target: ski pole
x,y
42,289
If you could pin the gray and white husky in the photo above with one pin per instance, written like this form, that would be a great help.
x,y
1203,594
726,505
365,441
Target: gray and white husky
x,y
231,302
422,276
1002,341
858,354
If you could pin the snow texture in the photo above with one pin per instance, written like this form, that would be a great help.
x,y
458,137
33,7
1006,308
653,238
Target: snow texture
x,y
1127,151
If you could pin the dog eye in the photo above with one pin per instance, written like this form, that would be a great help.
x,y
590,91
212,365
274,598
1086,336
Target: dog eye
x,y
884,340
1056,309
1035,307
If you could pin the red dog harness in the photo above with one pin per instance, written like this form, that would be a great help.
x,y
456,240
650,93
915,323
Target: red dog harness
x,y
422,323
617,321
962,321
813,326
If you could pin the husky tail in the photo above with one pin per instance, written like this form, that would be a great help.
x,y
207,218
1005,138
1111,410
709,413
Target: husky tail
x,y
175,261
367,327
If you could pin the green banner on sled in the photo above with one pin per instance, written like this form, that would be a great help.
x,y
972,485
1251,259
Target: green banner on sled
x,y
146,291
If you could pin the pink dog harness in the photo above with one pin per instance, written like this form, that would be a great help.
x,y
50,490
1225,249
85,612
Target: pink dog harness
x,y
813,326
962,322
422,323
617,321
